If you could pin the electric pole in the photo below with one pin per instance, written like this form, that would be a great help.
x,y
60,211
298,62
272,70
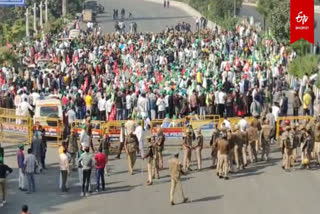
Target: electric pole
x,y
27,23
35,18
41,20
64,8
46,4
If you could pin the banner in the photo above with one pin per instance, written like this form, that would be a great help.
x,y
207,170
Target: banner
x,y
12,2
302,20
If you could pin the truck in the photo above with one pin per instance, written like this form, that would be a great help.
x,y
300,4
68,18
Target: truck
x,y
90,11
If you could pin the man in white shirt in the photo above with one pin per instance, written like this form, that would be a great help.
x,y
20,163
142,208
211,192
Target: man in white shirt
x,y
138,133
71,114
102,108
275,111
64,169
25,107
142,106
35,96
128,105
226,123
108,107
243,124
221,102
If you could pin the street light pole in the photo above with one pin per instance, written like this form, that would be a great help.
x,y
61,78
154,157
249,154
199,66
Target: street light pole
x,y
41,20
35,18
27,23
234,8
64,8
46,3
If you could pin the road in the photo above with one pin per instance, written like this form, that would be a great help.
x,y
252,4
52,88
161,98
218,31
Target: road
x,y
150,17
262,188
252,11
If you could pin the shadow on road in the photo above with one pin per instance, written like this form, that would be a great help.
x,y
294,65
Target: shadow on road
x,y
210,198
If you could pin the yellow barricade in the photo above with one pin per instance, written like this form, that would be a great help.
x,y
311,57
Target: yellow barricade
x,y
292,119
113,129
7,112
213,117
54,127
97,127
174,128
235,120
16,128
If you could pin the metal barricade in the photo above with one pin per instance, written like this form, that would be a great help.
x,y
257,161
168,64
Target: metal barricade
x,y
54,127
17,129
235,120
295,119
113,129
174,128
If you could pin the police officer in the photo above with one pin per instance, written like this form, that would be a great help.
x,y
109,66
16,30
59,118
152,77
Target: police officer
x,y
238,140
175,169
265,137
287,147
317,142
199,148
213,145
150,157
131,145
223,154
306,147
160,142
253,140
187,148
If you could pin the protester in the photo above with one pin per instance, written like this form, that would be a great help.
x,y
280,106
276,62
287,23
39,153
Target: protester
x,y
4,170
100,161
20,160
30,165
64,170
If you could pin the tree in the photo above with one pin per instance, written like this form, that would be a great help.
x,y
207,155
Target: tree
x,y
279,21
304,65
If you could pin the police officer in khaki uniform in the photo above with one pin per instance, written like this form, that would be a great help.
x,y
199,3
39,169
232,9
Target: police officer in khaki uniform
x,y
214,145
287,147
253,138
160,142
187,148
223,154
306,147
150,157
199,148
317,142
245,140
155,165
231,142
257,124
131,145
175,169
89,132
238,146
265,137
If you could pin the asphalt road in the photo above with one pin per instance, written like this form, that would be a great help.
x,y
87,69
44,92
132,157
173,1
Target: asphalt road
x,y
262,188
149,16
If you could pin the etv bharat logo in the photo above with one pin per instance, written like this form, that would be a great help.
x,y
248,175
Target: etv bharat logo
x,y
302,18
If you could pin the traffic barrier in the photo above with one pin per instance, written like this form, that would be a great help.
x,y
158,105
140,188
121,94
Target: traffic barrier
x,y
16,128
112,128
97,127
7,112
174,128
53,127
295,119
235,120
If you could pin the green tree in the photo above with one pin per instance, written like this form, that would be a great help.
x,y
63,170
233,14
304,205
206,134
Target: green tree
x,y
304,65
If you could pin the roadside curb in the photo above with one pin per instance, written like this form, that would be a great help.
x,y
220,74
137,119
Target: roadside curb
x,y
186,8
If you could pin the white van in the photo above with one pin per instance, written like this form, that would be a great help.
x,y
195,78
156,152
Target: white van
x,y
50,108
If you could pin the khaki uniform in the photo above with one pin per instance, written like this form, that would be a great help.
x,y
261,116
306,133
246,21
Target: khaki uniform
x,y
245,140
175,174
238,146
161,140
266,131
253,137
199,148
187,149
257,124
316,149
287,147
223,160
214,147
131,145
231,150
149,156
155,161
89,133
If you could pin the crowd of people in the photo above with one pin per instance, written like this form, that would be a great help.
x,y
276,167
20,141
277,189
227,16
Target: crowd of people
x,y
155,75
